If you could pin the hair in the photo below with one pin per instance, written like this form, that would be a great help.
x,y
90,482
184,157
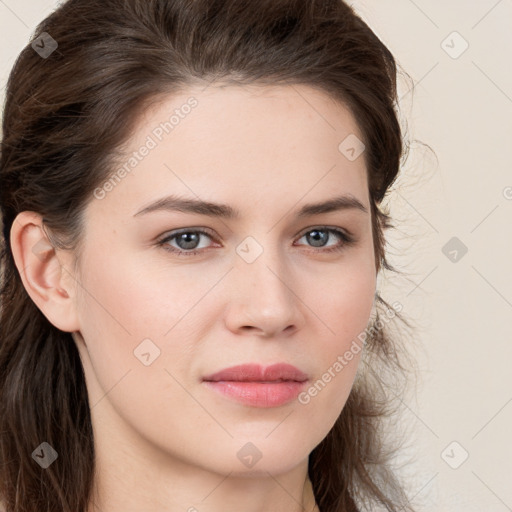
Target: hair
x,y
66,115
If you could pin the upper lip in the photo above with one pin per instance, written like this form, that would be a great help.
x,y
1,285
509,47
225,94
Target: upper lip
x,y
256,373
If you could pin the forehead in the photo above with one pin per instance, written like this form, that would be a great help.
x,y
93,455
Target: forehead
x,y
242,109
263,142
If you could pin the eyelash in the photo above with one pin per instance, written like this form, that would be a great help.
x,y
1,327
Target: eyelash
x,y
347,240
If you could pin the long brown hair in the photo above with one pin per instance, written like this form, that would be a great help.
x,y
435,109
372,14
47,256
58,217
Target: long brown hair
x,y
67,112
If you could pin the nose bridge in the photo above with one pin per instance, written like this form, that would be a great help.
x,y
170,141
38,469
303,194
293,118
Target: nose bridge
x,y
263,265
264,295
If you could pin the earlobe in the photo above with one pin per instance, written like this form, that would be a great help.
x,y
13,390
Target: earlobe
x,y
44,271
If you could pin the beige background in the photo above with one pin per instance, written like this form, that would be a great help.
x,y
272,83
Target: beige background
x,y
461,106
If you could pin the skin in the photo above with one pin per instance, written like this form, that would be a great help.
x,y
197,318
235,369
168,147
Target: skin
x,y
164,441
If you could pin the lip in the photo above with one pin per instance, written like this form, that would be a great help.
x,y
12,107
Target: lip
x,y
258,386
256,373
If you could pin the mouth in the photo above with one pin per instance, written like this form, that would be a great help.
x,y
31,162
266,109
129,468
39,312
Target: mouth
x,y
256,386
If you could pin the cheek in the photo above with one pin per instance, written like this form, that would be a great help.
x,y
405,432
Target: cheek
x,y
128,297
344,308
116,315
342,299
129,308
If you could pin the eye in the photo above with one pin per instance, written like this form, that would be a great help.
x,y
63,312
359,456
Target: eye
x,y
320,235
188,240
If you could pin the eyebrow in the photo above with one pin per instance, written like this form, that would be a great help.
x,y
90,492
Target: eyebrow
x,y
189,205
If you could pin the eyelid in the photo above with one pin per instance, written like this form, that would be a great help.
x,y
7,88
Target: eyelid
x,y
199,229
325,227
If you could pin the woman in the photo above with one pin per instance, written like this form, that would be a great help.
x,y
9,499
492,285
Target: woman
x,y
192,235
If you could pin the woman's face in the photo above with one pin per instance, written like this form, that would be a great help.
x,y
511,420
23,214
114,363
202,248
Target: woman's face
x,y
266,285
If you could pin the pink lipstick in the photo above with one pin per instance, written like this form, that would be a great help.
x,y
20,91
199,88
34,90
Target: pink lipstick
x,y
254,385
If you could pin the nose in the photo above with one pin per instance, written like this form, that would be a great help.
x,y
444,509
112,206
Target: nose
x,y
262,300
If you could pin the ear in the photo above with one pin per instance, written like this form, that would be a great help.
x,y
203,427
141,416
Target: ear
x,y
46,273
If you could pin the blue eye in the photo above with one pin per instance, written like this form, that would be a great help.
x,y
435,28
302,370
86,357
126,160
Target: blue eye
x,y
187,240
321,234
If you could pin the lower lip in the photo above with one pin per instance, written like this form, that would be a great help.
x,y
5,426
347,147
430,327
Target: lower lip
x,y
258,394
